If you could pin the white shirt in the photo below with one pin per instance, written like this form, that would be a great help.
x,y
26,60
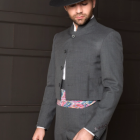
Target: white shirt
x,y
64,77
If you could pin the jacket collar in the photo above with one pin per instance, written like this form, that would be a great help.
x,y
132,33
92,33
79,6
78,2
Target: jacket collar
x,y
83,29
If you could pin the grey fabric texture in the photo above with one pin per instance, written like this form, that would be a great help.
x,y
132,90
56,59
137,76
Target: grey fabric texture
x,y
67,126
94,71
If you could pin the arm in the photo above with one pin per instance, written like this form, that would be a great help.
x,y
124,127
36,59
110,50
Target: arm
x,y
48,106
111,56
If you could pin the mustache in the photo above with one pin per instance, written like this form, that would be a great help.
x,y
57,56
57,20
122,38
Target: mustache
x,y
79,16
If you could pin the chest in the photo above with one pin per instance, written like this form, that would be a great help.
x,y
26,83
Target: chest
x,y
82,50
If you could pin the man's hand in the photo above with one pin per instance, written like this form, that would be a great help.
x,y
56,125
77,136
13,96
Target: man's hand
x,y
83,135
39,134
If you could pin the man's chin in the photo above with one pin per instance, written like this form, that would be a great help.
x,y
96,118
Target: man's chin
x,y
80,22
84,22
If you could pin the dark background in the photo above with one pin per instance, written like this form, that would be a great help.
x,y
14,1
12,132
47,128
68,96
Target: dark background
x,y
27,28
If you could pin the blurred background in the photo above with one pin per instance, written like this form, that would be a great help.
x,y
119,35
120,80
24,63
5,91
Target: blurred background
x,y
27,28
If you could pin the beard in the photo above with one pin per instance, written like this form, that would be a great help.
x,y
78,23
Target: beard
x,y
82,21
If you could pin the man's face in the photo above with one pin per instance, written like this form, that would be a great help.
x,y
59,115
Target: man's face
x,y
80,12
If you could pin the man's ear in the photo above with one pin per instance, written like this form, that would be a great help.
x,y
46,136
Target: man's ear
x,y
94,3
65,8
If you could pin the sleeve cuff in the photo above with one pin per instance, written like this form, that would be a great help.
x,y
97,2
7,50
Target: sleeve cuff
x,y
89,131
42,127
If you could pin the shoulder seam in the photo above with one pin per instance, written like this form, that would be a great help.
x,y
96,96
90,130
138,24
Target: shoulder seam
x,y
104,39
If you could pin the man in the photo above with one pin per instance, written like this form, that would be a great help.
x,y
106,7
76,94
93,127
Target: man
x,y
85,77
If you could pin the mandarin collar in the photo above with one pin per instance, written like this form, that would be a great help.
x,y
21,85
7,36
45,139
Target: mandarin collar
x,y
83,29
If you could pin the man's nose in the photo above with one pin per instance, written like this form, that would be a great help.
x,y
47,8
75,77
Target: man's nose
x,y
79,8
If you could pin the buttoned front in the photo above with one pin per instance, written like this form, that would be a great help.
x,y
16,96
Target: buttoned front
x,y
64,71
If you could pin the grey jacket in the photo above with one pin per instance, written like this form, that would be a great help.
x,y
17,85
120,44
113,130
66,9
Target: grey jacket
x,y
94,55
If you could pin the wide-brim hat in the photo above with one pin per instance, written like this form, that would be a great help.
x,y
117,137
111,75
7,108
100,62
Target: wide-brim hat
x,y
59,3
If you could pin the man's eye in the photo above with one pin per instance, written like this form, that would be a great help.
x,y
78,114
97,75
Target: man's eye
x,y
84,3
72,5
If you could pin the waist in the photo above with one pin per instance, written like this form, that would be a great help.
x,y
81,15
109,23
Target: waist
x,y
72,103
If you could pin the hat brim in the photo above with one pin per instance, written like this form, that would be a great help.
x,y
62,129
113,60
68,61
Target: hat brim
x,y
59,3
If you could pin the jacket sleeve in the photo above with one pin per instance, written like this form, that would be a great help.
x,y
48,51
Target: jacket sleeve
x,y
111,56
48,106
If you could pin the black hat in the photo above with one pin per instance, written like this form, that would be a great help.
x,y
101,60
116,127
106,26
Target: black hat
x,y
58,3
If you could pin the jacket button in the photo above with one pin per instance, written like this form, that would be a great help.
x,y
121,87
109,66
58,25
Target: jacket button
x,y
65,51
61,67
73,36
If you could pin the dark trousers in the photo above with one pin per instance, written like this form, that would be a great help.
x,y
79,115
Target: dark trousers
x,y
69,121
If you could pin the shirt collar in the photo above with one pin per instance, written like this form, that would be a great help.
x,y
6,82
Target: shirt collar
x,y
75,26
